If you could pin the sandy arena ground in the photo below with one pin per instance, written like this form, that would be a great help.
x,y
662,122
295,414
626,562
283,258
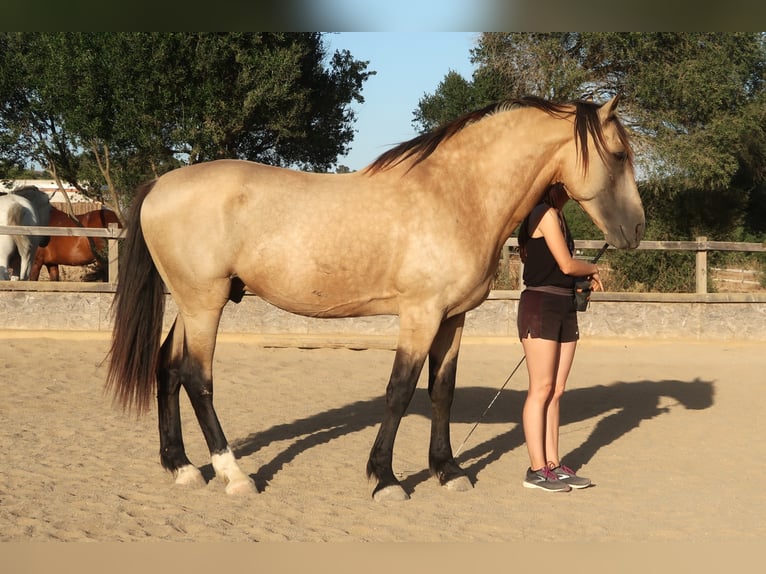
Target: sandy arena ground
x,y
671,434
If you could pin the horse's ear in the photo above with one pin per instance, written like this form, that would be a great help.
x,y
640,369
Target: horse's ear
x,y
607,110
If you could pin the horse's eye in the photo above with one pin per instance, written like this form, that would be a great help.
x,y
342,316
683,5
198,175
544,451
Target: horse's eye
x,y
620,155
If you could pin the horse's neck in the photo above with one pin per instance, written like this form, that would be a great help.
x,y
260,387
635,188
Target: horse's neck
x,y
510,174
490,173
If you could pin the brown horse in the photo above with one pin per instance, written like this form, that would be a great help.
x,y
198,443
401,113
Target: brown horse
x,y
418,234
75,251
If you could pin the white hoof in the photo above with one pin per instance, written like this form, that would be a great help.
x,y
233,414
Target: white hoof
x,y
241,487
459,484
190,476
227,470
393,492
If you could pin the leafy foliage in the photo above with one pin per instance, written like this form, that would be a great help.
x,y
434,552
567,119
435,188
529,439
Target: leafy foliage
x,y
453,97
114,109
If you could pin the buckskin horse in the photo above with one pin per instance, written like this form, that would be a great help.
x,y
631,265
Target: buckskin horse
x,y
418,233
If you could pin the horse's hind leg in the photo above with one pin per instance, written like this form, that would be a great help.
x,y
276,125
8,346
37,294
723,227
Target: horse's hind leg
x,y
196,374
442,362
53,272
172,453
25,254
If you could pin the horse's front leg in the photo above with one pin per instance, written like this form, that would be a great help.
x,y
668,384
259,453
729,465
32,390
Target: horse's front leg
x,y
401,387
417,328
442,371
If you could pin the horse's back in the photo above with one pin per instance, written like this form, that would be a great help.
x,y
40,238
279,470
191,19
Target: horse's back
x,y
219,181
248,197
305,242
95,218
98,218
227,198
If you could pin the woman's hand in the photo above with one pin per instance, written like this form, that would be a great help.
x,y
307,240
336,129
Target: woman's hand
x,y
595,280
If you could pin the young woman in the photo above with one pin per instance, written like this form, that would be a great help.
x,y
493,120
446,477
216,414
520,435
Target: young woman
x,y
547,323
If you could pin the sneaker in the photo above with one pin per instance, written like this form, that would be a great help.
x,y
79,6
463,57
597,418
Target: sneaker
x,y
568,476
544,479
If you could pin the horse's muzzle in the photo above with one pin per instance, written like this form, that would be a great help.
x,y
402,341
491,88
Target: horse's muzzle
x,y
627,239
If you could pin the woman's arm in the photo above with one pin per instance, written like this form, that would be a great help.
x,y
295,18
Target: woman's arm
x,y
550,229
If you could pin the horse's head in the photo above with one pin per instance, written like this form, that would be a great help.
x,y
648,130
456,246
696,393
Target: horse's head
x,y
603,183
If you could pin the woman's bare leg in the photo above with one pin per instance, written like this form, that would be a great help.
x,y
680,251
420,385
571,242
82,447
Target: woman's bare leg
x,y
552,418
542,363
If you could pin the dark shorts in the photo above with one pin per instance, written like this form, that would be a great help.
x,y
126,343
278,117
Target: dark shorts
x,y
547,316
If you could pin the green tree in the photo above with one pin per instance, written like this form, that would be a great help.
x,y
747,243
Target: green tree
x,y
453,97
508,65
112,109
516,64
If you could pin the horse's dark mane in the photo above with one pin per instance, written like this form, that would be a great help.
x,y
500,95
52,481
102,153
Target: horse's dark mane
x,y
424,145
586,121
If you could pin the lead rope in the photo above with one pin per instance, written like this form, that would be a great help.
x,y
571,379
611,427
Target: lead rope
x,y
516,368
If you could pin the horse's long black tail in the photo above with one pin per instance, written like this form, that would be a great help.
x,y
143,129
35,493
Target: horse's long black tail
x,y
137,309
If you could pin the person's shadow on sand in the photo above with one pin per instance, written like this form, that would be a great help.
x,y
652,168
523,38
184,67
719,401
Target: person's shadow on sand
x,y
623,406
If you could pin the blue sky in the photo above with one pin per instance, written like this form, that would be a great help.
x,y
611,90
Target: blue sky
x,y
408,65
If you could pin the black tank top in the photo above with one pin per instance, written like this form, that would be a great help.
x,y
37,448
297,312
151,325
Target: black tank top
x,y
541,268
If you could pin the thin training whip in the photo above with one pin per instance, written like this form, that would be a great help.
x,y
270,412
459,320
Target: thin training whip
x,y
516,368
492,402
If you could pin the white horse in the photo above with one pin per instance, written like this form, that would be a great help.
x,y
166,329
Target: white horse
x,y
23,206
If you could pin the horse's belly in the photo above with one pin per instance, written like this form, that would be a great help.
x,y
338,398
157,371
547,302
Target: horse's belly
x,y
315,305
316,296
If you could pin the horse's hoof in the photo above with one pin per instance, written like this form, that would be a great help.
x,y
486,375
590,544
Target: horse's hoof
x,y
241,487
393,492
190,476
459,484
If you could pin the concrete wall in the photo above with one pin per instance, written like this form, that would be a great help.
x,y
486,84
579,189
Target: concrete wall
x,y
611,315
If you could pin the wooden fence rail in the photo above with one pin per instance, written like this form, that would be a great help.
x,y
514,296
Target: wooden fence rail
x,y
113,234
701,246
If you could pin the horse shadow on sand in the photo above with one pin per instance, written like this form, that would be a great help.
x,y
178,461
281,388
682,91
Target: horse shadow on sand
x,y
621,406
